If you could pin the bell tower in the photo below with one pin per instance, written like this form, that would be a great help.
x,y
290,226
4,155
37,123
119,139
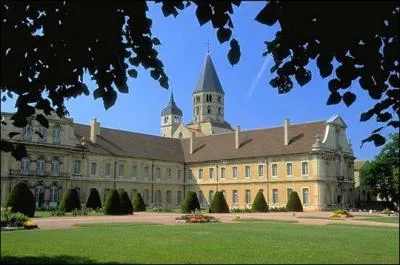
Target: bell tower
x,y
171,118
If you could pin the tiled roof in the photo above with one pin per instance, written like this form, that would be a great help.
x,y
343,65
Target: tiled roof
x,y
254,143
172,108
208,81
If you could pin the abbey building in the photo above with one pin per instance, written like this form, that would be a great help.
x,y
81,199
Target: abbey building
x,y
314,159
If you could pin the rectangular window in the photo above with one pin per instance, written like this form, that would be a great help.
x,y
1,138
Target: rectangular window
x,y
234,172
25,166
289,169
169,173
146,196
54,194
93,168
146,172
134,171
235,197
77,169
211,173
200,173
40,167
306,196
178,197
168,196
42,136
247,197
261,170
275,198
158,173
55,168
121,170
108,170
222,172
274,169
56,135
247,171
288,193
178,174
190,174
304,168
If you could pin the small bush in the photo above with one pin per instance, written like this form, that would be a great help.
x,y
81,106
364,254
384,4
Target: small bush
x,y
57,212
70,201
278,209
126,206
191,203
218,204
13,219
238,210
22,200
259,203
294,203
94,200
112,204
138,203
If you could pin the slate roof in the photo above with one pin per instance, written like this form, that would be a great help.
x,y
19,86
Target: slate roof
x,y
172,108
208,81
253,143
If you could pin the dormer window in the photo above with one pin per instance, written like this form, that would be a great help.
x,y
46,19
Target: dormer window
x,y
56,135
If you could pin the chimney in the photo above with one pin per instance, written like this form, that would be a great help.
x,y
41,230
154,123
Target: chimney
x,y
286,132
94,130
237,132
192,139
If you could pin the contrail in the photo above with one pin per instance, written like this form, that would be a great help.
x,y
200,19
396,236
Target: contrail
x,y
255,81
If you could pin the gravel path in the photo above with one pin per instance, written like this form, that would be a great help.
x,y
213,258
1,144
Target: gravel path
x,y
169,219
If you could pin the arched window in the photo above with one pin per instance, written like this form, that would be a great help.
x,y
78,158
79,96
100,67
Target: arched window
x,y
168,196
42,136
208,109
54,194
210,98
55,167
25,163
27,133
158,196
40,166
39,195
56,135
219,99
219,110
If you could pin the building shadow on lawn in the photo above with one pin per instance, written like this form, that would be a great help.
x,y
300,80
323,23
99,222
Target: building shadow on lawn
x,y
63,259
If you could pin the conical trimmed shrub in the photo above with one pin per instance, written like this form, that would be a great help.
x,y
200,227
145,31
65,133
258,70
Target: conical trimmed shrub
x,y
112,205
126,206
259,203
138,203
22,200
94,201
294,203
191,203
70,201
218,204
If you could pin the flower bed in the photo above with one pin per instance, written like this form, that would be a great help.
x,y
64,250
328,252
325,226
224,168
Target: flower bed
x,y
15,221
196,218
341,213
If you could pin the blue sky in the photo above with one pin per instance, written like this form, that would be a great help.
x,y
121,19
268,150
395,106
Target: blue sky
x,y
248,103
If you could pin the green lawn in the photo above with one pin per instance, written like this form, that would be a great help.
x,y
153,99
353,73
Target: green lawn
x,y
239,242
382,219
41,214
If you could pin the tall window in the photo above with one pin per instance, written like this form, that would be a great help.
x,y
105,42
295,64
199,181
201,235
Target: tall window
x,y
121,170
235,197
146,172
168,196
178,197
274,169
306,196
210,196
247,196
289,169
53,194
222,172
234,172
108,170
288,193
158,196
275,198
197,110
260,170
190,174
27,133
219,110
208,109
39,195
169,173
201,198
133,194
247,171
43,132
200,173
25,163
158,173
211,173
178,174
219,99
77,168
56,135
134,171
40,166
55,167
93,168
304,168
146,196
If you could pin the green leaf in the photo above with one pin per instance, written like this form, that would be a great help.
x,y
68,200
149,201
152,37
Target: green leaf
x,y
302,76
366,115
349,98
134,61
19,152
109,98
155,74
234,52
268,15
42,120
132,73
224,34
97,93
203,13
334,98
384,117
156,41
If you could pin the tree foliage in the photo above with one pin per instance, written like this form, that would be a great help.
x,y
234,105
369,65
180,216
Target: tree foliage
x,y
259,203
138,203
218,203
94,201
126,206
112,206
21,200
46,47
70,201
191,203
294,203
382,174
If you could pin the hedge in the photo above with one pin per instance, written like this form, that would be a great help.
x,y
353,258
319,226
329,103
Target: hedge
x,y
191,203
70,201
218,204
112,205
22,200
138,203
94,201
259,203
294,203
126,206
